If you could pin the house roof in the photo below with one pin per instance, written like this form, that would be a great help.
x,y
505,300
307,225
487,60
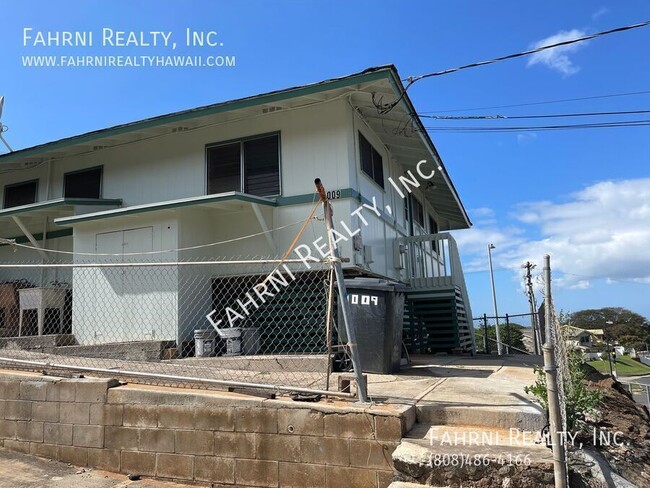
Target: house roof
x,y
34,217
401,129
596,331
220,200
576,331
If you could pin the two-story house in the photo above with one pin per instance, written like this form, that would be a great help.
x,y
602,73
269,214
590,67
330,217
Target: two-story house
x,y
231,169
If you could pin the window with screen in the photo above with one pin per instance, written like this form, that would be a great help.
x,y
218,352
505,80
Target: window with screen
x,y
20,194
433,225
418,213
251,166
433,229
372,163
86,183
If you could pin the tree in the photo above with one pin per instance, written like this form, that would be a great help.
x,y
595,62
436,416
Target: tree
x,y
624,322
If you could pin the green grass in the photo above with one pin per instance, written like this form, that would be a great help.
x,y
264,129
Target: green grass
x,y
625,366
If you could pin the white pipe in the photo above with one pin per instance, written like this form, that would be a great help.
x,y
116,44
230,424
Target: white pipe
x,y
177,378
176,263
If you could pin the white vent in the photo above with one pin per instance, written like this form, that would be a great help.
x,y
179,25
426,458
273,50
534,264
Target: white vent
x,y
267,110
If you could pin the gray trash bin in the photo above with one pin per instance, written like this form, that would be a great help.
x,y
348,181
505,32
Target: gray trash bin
x,y
377,314
204,343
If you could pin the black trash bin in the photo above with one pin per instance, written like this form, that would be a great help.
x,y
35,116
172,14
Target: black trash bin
x,y
377,315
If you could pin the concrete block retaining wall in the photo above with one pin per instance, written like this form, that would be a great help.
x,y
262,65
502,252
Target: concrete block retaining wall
x,y
202,436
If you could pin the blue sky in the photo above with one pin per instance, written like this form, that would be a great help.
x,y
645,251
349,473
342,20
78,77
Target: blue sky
x,y
581,195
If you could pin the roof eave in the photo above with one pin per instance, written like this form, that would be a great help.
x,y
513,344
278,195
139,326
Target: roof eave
x,y
367,75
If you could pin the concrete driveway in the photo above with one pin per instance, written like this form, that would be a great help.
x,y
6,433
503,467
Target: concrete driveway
x,y
24,471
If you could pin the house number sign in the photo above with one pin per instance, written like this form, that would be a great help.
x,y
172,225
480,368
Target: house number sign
x,y
363,299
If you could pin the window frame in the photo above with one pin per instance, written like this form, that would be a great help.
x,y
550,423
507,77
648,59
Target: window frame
x,y
416,210
101,179
12,185
242,181
381,185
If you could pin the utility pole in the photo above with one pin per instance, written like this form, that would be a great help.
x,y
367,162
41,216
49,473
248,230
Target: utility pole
x,y
494,300
537,339
554,414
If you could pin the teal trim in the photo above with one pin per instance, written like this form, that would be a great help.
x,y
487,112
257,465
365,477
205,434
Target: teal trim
x,y
170,205
345,194
55,234
312,198
244,139
50,235
276,96
60,202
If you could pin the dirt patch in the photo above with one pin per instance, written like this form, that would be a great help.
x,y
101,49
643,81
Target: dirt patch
x,y
628,453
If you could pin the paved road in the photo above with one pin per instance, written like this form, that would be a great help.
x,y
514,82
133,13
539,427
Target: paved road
x,y
640,397
25,471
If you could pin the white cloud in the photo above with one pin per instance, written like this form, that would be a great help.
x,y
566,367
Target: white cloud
x,y
599,13
600,232
524,138
558,58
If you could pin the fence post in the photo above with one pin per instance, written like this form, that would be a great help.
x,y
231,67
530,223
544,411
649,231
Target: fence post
x,y
555,419
647,394
508,338
343,295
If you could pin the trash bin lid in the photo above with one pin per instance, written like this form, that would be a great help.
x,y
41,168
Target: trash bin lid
x,y
374,284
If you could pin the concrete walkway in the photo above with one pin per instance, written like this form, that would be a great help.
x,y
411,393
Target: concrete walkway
x,y
459,390
19,470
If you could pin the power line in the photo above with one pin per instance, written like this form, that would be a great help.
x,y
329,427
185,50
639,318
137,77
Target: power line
x,y
530,51
383,108
544,116
546,102
599,125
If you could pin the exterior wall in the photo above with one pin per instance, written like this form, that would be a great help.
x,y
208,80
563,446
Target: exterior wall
x,y
223,438
173,166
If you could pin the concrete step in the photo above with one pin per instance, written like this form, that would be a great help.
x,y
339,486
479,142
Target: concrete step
x,y
407,484
523,417
445,455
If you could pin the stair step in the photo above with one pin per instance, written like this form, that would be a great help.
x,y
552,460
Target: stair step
x,y
522,417
471,440
406,484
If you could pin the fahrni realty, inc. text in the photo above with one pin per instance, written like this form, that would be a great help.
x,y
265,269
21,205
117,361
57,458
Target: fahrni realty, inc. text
x,y
111,37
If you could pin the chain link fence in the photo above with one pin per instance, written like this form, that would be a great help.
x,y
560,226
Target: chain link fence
x,y
229,322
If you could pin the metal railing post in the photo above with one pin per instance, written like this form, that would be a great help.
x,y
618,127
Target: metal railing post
x,y
343,295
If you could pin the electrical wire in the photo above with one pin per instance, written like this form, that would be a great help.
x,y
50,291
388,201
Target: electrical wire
x,y
544,116
201,246
546,102
384,108
599,125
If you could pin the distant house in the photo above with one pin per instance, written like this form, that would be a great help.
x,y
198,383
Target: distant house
x,y
599,334
231,169
579,338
